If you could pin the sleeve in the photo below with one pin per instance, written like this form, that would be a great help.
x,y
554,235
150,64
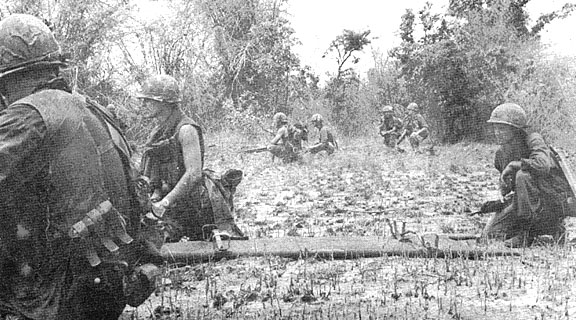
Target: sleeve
x,y
22,131
398,123
540,159
421,121
324,135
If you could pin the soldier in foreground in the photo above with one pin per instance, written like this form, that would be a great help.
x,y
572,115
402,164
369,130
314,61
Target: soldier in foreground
x,y
533,186
327,141
415,127
390,127
194,200
282,145
71,245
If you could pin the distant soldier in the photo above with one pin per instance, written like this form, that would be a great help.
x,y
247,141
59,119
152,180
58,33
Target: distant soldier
x,y
298,133
327,140
390,127
282,145
415,127
531,182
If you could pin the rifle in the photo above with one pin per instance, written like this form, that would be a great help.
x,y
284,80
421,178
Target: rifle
x,y
404,134
490,206
256,150
266,130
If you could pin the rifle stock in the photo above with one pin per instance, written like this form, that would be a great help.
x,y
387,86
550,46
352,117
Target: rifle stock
x,y
256,150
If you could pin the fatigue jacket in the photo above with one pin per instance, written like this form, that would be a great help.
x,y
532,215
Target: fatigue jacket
x,y
59,162
547,177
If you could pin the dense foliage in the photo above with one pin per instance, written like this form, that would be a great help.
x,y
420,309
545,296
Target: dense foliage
x,y
473,57
237,66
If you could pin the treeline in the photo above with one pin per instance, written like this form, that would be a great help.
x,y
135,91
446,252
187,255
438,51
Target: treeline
x,y
237,66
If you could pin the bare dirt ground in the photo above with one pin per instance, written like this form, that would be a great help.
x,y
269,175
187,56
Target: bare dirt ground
x,y
354,192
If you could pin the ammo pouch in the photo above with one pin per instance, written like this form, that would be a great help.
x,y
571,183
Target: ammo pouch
x,y
100,226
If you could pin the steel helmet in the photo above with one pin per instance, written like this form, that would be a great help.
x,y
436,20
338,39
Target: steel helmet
x,y
280,117
387,109
26,41
317,118
162,87
510,114
412,106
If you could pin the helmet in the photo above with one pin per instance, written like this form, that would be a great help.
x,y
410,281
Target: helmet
x,y
317,118
412,106
280,117
26,41
387,109
510,114
163,88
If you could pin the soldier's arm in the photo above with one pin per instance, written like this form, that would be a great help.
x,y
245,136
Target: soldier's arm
x,y
190,142
421,122
22,131
540,159
278,136
324,136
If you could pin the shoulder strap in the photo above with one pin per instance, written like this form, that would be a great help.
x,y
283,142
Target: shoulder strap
x,y
115,133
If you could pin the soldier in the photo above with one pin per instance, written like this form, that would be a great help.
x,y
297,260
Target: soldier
x,y
282,145
192,198
390,127
327,141
416,128
532,184
70,238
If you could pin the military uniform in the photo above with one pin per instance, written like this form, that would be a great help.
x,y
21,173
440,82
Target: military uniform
x,y
327,140
288,140
390,128
163,163
71,242
209,202
416,129
284,149
537,191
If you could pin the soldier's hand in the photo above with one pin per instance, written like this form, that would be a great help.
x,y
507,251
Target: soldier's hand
x,y
505,182
159,208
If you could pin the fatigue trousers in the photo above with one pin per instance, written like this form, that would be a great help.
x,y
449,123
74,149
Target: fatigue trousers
x,y
285,153
530,213
328,147
390,140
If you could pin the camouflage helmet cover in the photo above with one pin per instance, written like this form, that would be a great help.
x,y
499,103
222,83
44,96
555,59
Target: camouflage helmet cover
x,y
26,41
412,106
280,117
163,88
510,114
387,109
317,118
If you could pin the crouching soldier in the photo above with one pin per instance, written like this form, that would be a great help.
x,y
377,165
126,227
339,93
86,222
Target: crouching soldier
x,y
190,200
532,183
390,127
327,141
416,128
70,238
282,145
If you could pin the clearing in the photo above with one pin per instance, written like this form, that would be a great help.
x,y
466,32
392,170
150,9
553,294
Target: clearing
x,y
356,192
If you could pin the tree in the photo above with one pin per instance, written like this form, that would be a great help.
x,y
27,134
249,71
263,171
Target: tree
x,y
342,89
468,60
253,43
